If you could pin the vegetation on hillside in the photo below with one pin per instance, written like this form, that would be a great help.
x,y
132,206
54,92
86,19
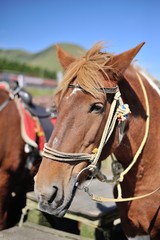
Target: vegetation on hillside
x,y
6,65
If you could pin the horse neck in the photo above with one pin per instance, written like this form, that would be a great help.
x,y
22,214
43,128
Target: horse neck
x,y
133,95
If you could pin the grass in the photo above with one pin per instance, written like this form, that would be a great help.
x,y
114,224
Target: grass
x,y
39,91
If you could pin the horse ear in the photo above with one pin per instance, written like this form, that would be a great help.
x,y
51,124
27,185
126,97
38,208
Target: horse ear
x,y
121,61
65,58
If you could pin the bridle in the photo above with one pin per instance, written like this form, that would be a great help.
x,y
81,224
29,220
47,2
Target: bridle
x,y
94,157
11,97
118,111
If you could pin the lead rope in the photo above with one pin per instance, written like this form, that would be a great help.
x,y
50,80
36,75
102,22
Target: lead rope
x,y
122,174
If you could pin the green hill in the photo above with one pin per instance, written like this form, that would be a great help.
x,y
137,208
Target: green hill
x,y
46,59
15,55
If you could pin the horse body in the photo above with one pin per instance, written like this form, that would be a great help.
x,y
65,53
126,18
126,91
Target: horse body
x,y
83,109
11,153
22,139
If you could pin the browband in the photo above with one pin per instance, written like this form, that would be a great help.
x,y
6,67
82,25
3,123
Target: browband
x,y
106,90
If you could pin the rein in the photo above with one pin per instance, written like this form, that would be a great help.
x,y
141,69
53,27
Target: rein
x,y
118,111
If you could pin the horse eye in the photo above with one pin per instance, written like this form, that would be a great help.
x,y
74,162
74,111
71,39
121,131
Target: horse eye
x,y
97,108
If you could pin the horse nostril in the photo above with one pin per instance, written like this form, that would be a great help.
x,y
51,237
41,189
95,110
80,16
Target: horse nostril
x,y
55,190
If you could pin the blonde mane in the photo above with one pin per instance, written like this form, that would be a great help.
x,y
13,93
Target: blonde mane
x,y
88,70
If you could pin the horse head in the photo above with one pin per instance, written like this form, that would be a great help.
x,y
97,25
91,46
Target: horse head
x,y
83,100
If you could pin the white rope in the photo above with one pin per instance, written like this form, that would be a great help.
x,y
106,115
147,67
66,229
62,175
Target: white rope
x,y
122,174
65,157
119,199
109,127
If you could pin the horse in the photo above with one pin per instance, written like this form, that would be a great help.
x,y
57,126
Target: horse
x,y
106,106
12,155
19,155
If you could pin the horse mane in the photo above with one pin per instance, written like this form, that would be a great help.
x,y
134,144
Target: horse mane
x,y
88,70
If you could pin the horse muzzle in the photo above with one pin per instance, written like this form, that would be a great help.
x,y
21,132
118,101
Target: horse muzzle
x,y
56,200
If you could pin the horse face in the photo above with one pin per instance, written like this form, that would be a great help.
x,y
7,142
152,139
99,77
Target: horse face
x,y
79,126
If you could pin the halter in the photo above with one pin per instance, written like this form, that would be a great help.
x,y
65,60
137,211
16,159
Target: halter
x,y
109,127
118,111
12,95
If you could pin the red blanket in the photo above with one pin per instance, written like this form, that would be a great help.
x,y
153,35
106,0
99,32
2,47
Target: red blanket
x,y
31,129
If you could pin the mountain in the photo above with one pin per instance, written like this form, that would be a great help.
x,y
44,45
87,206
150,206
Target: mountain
x,y
47,58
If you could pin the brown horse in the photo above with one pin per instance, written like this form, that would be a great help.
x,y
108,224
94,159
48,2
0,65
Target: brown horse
x,y
11,153
17,164
92,124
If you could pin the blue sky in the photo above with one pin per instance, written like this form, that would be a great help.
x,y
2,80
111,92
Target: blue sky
x,y
34,25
